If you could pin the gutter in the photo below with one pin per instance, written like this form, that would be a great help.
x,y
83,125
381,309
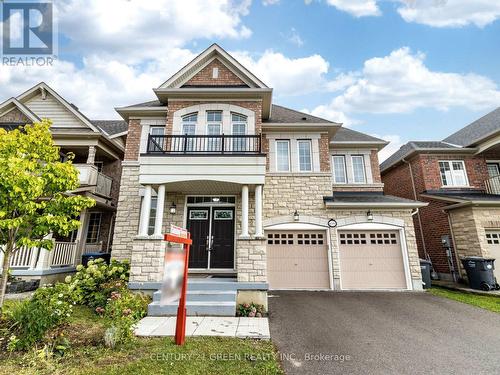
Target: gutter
x,y
374,205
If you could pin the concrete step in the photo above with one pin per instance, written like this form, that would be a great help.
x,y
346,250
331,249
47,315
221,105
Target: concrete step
x,y
204,295
195,308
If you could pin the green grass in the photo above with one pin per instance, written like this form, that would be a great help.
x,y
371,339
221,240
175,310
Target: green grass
x,y
491,303
201,355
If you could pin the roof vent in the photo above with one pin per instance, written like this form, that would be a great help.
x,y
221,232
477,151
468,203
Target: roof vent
x,y
304,118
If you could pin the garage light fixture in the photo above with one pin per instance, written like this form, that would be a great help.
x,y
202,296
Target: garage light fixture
x,y
296,216
173,208
369,215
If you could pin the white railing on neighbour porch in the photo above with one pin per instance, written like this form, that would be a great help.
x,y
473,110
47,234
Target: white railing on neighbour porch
x,y
63,254
23,257
103,185
493,185
92,248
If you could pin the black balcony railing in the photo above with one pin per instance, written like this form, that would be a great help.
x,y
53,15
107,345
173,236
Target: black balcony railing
x,y
205,144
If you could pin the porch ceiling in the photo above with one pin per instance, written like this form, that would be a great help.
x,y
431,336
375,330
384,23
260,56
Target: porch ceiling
x,y
205,187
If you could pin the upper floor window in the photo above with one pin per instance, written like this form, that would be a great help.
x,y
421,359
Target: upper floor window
x,y
339,169
238,127
157,130
214,127
358,169
283,155
305,156
493,169
189,124
453,173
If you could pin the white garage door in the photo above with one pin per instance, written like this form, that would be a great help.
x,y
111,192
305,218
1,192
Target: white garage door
x,y
493,239
371,260
297,260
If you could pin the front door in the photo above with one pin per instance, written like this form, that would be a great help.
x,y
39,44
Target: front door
x,y
212,231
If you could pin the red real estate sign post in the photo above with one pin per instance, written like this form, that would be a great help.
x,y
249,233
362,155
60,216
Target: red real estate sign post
x,y
180,328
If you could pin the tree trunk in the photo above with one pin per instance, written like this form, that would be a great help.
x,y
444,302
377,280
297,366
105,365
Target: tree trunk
x,y
5,272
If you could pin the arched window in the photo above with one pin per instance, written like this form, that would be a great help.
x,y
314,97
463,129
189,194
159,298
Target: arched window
x,y
189,129
239,130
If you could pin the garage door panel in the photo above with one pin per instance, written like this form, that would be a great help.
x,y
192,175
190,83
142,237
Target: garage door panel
x,y
371,260
297,260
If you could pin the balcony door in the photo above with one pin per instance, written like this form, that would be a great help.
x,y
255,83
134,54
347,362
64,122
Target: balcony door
x,y
212,230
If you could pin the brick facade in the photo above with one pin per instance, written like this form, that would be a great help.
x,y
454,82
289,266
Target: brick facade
x,y
324,153
205,76
133,140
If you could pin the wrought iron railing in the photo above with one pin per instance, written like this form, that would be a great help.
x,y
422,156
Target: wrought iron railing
x,y
205,144
493,185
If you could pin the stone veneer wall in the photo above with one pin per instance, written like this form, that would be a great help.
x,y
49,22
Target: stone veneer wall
x,y
251,261
469,225
283,194
147,260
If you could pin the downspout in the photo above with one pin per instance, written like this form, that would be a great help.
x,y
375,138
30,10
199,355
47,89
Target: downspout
x,y
417,212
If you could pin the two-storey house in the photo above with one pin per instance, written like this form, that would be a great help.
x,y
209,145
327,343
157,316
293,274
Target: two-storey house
x,y
273,198
459,178
98,147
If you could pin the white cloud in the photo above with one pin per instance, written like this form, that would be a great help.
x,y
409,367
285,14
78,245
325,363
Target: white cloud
x,y
452,13
329,113
270,2
136,29
295,38
401,83
357,8
395,144
286,75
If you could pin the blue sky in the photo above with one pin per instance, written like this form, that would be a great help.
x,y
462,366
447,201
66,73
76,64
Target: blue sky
x,y
399,69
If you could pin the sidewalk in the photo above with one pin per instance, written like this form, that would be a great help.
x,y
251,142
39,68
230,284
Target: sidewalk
x,y
255,328
463,288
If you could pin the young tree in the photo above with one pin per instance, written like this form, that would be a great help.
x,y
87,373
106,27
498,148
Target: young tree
x,y
34,192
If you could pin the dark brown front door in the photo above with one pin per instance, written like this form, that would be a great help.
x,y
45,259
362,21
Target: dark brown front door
x,y
212,231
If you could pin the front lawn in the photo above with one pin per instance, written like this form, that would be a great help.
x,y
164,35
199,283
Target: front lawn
x,y
88,355
491,303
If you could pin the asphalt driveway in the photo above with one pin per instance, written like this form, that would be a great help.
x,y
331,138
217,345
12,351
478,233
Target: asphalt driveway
x,y
382,333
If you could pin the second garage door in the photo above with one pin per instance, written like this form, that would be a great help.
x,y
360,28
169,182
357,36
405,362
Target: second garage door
x,y
371,260
297,260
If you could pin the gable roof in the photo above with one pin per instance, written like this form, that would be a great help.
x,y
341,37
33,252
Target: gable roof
x,y
346,135
478,130
14,103
283,115
205,58
421,146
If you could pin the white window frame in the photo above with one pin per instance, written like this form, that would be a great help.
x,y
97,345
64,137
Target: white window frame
x,y
287,141
152,215
495,164
238,144
345,169
450,164
98,233
156,127
309,141
213,144
364,169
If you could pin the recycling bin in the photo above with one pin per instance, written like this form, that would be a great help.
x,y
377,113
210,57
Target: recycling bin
x,y
480,273
425,268
86,258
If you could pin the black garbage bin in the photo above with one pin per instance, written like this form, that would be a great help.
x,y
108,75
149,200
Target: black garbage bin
x,y
93,256
425,268
480,273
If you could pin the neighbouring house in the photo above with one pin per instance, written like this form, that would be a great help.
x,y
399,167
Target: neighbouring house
x,y
459,178
273,198
98,147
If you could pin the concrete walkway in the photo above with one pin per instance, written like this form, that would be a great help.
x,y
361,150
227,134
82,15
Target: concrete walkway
x,y
255,328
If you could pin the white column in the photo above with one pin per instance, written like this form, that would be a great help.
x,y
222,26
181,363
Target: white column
x,y
160,203
145,211
91,155
244,211
258,211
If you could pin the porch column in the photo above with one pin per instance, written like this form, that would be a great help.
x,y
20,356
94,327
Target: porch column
x,y
145,210
160,203
244,211
91,155
258,211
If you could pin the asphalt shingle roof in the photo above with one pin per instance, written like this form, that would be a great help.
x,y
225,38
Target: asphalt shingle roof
x,y
151,103
468,195
411,146
477,130
111,127
285,115
365,197
349,135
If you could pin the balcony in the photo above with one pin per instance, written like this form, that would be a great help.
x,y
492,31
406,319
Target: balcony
x,y
493,185
236,159
204,144
98,182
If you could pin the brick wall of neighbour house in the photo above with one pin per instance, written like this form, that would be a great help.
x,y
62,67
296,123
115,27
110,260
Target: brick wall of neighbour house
x,y
255,106
15,116
205,76
374,164
133,142
324,153
285,194
113,169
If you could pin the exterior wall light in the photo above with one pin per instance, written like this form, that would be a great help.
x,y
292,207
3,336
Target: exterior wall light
x,y
369,216
296,216
173,208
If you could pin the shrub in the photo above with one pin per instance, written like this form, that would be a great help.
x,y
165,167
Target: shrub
x,y
92,285
31,319
250,310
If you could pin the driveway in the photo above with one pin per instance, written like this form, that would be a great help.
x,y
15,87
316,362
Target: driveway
x,y
382,333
